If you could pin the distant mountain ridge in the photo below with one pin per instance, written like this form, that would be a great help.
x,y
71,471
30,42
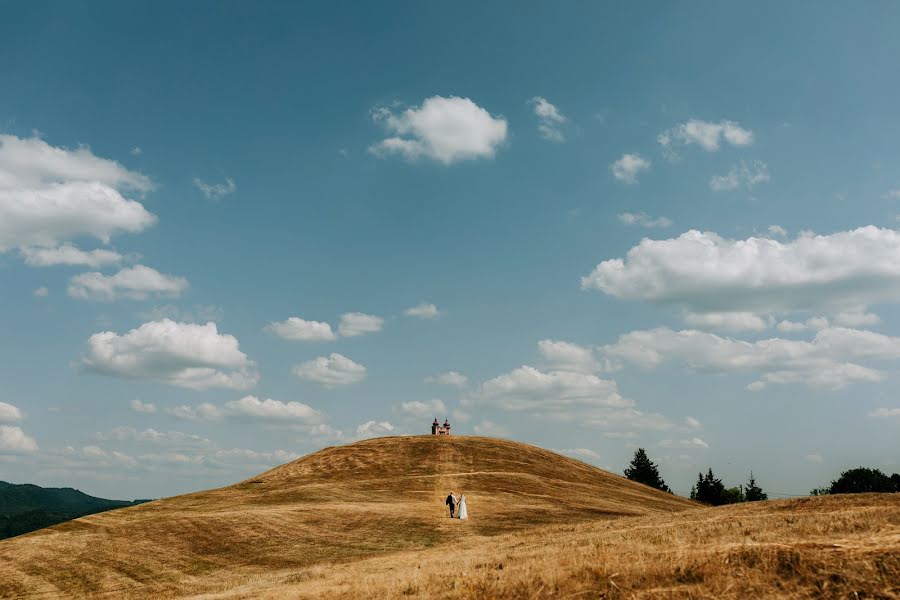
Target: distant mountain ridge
x,y
26,507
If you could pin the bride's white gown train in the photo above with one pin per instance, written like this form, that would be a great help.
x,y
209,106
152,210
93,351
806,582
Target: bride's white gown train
x,y
463,512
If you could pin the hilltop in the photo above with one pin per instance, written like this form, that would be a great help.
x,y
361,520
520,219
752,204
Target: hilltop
x,y
339,504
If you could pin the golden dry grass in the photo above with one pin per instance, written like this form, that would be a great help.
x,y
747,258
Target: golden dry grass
x,y
367,520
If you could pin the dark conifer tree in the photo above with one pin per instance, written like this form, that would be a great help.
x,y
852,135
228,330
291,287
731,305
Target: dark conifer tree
x,y
711,490
753,492
643,470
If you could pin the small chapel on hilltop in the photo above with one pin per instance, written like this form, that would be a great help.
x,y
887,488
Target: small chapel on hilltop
x,y
438,429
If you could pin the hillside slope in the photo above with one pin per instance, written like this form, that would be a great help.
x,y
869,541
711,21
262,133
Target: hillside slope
x,y
338,504
843,546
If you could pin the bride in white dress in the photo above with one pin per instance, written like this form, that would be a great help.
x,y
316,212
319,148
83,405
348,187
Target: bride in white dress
x,y
463,512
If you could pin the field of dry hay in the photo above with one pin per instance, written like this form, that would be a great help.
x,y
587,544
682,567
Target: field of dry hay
x,y
338,505
367,520
829,547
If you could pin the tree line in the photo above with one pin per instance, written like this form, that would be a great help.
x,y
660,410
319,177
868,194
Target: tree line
x,y
709,489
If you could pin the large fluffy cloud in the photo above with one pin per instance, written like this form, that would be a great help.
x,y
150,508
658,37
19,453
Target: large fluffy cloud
x,y
444,129
707,273
330,371
829,361
51,195
135,283
181,354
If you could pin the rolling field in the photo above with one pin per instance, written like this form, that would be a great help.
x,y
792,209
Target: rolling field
x,y
368,520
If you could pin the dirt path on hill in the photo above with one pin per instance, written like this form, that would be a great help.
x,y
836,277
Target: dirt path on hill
x,y
451,463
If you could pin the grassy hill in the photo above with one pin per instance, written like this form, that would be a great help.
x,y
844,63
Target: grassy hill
x,y
339,504
26,507
368,520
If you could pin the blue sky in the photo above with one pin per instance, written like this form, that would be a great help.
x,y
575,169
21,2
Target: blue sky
x,y
233,234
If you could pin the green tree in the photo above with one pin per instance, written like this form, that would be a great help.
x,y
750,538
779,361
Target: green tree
x,y
709,489
754,493
733,495
860,480
643,470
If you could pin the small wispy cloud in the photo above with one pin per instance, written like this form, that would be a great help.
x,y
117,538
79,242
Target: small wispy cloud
x,y
550,119
743,175
644,220
215,191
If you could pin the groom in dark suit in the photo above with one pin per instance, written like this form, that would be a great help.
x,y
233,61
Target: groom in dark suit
x,y
451,502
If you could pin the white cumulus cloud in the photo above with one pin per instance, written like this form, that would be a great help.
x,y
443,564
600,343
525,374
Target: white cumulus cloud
x,y
706,273
566,356
14,441
251,408
330,371
134,283
830,361
50,195
297,329
628,167
371,429
181,354
9,413
447,130
355,323
728,321
527,388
